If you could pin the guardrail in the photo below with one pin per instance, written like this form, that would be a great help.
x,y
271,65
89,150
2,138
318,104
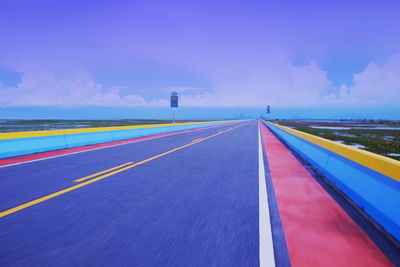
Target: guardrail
x,y
371,181
23,143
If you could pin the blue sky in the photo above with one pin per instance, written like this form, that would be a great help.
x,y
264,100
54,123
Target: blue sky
x,y
122,58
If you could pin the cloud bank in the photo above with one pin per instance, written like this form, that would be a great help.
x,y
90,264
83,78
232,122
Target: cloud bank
x,y
272,80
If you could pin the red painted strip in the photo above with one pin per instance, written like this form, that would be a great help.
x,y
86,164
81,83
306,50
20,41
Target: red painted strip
x,y
318,231
54,153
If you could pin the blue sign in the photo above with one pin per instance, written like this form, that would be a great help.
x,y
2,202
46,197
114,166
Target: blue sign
x,y
174,99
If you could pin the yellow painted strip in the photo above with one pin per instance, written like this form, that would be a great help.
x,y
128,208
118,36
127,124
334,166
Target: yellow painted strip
x,y
69,189
98,173
14,135
197,140
381,164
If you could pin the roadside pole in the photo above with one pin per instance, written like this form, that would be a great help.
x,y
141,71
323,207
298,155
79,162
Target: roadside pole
x,y
174,104
267,111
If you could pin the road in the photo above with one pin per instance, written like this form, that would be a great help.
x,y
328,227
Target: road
x,y
196,198
194,206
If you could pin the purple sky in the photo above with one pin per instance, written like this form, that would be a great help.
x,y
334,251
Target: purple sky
x,y
289,54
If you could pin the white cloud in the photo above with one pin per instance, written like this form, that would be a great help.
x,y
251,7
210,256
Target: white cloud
x,y
375,85
182,89
271,79
277,82
40,87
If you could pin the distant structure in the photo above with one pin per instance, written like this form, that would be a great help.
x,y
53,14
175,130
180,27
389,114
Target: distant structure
x,y
267,111
174,104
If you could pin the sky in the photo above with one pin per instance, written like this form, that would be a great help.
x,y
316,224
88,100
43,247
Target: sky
x,y
122,59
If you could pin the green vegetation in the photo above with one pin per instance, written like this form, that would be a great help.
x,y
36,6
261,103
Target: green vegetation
x,y
381,137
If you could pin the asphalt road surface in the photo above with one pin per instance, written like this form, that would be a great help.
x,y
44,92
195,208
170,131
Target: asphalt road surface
x,y
195,205
231,195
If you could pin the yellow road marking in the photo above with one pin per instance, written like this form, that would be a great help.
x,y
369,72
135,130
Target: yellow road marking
x,y
197,140
69,189
13,135
98,173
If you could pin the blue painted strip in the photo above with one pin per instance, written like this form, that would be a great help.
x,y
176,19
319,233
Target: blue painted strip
x,y
30,145
375,193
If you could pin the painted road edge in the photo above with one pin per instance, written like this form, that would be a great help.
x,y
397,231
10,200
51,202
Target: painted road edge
x,y
266,249
42,133
85,148
384,165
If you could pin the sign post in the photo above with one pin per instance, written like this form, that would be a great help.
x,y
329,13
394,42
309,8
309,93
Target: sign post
x,y
174,104
268,110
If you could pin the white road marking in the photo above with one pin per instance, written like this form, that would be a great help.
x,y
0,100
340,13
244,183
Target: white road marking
x,y
266,244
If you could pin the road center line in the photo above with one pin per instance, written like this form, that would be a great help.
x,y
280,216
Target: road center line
x,y
266,247
69,189
98,173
